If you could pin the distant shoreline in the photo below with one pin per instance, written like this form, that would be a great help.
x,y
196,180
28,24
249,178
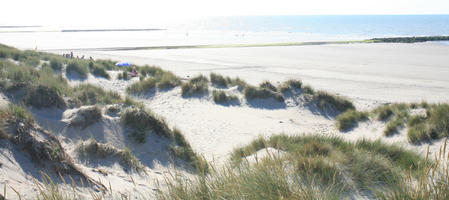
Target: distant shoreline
x,y
374,40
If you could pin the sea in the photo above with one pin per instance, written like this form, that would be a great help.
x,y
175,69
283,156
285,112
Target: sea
x,y
226,30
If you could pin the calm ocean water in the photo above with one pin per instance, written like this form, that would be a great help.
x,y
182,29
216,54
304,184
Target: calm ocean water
x,y
236,30
357,25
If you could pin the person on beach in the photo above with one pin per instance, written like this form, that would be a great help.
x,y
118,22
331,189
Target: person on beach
x,y
71,54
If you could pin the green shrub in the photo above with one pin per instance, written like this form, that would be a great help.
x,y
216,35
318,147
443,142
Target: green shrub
x,y
78,67
251,92
349,119
221,97
196,86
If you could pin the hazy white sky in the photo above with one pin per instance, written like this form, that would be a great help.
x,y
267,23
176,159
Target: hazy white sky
x,y
148,12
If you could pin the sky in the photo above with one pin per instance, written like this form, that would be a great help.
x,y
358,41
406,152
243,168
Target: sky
x,y
149,12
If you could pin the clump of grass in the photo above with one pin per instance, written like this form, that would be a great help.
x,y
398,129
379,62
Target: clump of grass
x,y
167,80
384,112
90,95
150,71
143,121
220,96
433,126
42,96
394,125
142,86
251,92
15,112
218,80
138,119
417,129
107,64
397,114
241,84
56,64
289,85
78,67
86,116
123,76
196,86
350,119
99,70
439,120
91,149
308,90
326,100
267,85
158,79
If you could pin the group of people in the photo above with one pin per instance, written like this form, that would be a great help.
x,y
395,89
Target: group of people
x,y
71,56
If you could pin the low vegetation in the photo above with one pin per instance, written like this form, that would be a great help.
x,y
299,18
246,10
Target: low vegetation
x,y
220,96
56,64
289,85
144,122
252,92
42,96
326,100
396,116
310,167
434,125
99,70
86,116
219,80
14,112
89,94
79,67
350,119
158,78
91,149
197,85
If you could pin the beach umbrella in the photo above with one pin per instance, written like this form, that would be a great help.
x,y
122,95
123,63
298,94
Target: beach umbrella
x,y
123,64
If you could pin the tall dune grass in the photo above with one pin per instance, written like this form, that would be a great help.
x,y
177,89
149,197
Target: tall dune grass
x,y
306,167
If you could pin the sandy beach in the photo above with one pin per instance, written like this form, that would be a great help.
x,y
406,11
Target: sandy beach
x,y
367,73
